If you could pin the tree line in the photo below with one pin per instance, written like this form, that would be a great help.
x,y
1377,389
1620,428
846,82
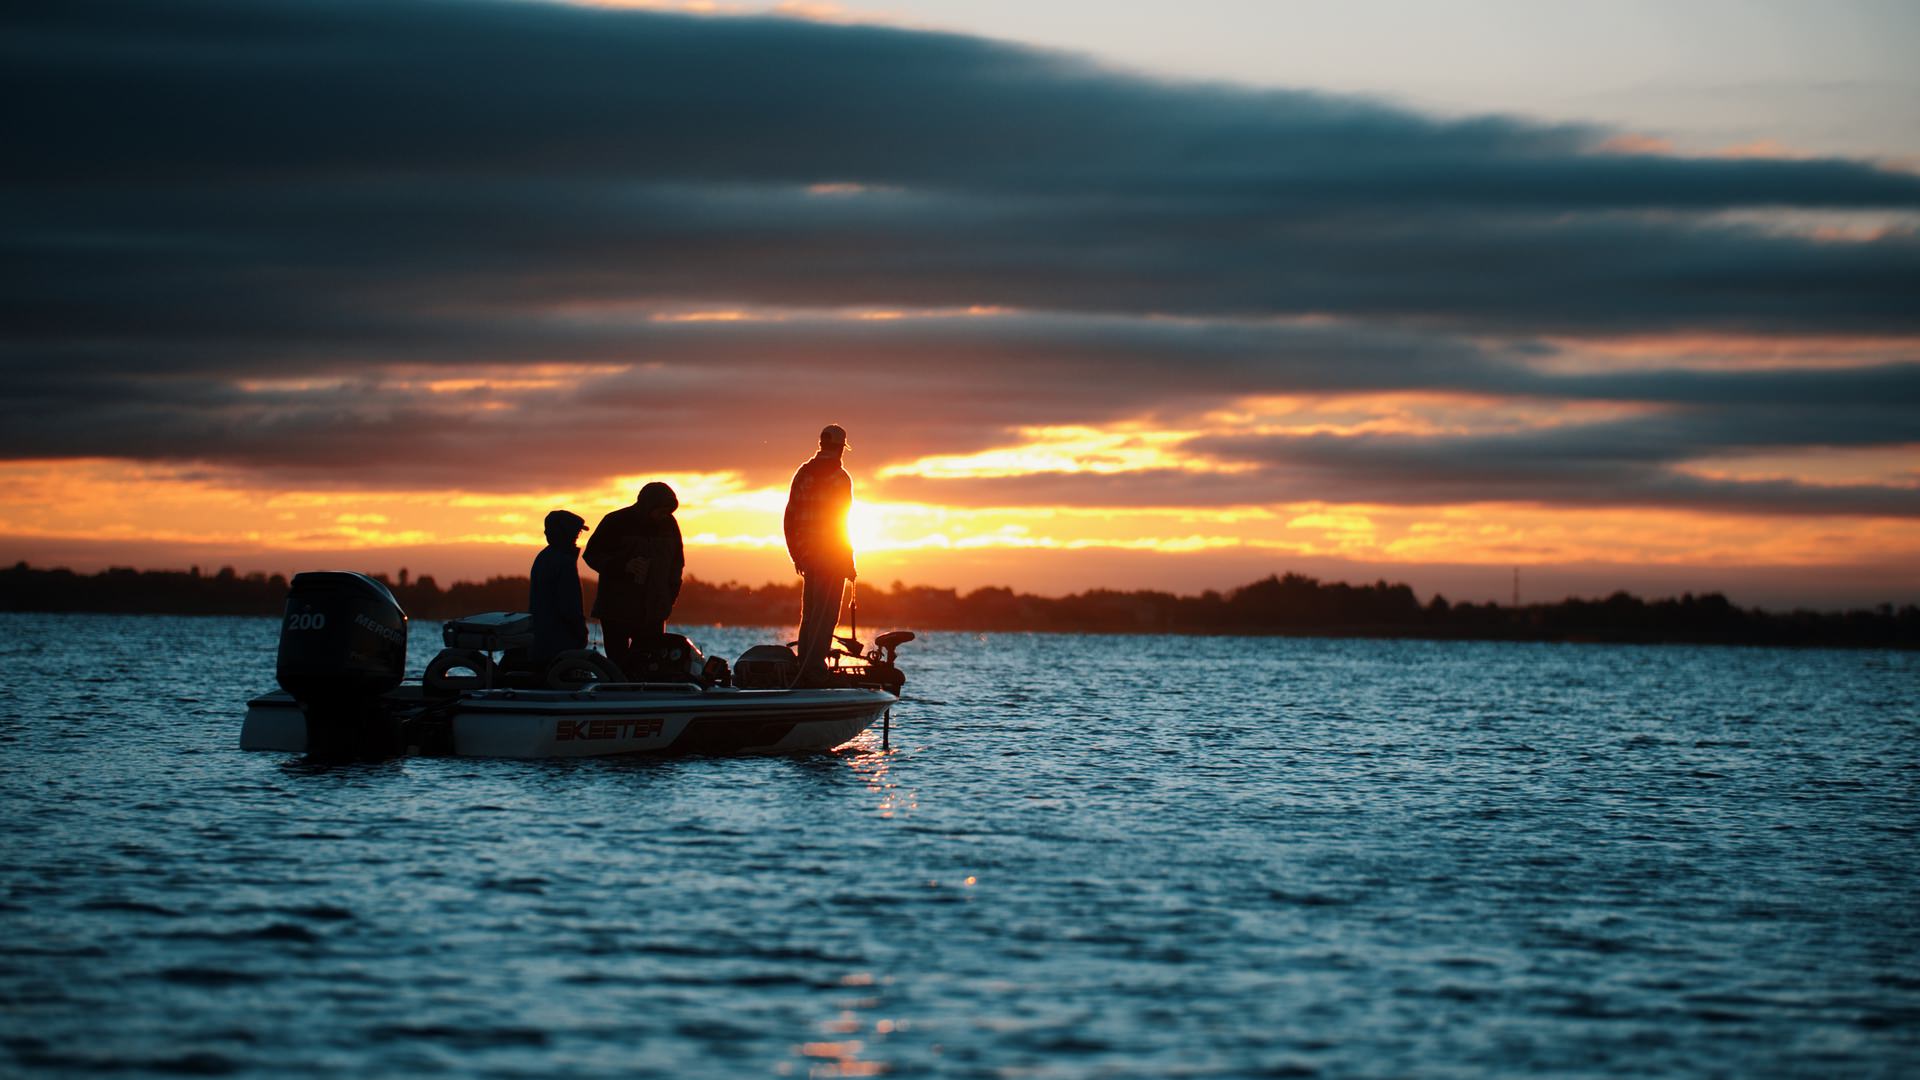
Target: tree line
x,y
1279,604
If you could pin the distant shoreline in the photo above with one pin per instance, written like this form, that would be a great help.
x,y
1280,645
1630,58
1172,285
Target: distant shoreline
x,y
1278,606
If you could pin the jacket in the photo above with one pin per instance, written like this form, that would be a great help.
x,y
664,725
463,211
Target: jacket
x,y
554,600
816,518
629,533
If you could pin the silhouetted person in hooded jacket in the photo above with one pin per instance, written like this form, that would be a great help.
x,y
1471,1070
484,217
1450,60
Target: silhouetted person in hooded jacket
x,y
640,559
553,598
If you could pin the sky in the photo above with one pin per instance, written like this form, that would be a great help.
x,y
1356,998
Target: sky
x,y
1163,296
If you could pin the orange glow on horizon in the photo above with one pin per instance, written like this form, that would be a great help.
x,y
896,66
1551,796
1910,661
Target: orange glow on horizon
x,y
732,524
726,520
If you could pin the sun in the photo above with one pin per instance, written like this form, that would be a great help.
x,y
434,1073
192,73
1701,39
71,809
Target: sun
x,y
866,527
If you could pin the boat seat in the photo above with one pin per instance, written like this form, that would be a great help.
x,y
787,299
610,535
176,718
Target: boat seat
x,y
492,631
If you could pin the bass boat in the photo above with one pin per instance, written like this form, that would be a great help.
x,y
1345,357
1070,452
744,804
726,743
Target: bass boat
x,y
342,655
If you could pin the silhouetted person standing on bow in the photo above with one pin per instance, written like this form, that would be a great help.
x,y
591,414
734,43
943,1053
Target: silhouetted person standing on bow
x,y
553,598
816,525
640,559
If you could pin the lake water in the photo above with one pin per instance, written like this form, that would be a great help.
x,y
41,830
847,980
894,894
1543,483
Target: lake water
x,y
1084,856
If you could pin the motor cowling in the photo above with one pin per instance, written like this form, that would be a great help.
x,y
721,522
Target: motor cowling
x,y
669,658
343,639
765,667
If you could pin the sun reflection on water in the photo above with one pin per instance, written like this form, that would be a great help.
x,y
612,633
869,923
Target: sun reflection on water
x,y
870,762
851,1034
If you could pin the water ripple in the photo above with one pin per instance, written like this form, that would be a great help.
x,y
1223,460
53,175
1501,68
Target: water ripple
x,y
1188,857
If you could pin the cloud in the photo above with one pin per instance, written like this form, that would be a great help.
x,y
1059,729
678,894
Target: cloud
x,y
624,393
1410,476
534,148
1630,462
239,231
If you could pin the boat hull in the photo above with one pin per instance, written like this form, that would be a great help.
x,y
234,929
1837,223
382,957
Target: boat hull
x,y
601,721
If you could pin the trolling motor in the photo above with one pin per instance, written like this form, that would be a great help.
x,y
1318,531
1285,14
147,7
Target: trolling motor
x,y
876,664
879,669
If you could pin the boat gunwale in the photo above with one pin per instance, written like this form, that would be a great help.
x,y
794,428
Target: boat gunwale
x,y
729,705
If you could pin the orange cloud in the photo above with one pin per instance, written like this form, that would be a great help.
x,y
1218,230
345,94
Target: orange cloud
x,y
1629,143
1119,448
1895,466
1410,413
804,10
1726,352
1764,148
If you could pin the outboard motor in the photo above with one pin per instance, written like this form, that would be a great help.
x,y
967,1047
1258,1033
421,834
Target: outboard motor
x,y
343,644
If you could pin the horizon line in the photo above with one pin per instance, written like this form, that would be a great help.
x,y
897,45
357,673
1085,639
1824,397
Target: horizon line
x,y
408,580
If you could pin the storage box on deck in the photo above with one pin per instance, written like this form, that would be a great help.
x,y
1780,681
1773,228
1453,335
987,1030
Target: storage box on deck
x,y
494,631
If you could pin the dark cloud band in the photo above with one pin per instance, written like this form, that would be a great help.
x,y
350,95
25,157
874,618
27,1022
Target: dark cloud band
x,y
203,194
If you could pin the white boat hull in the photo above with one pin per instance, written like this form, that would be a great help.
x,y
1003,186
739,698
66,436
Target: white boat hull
x,y
609,720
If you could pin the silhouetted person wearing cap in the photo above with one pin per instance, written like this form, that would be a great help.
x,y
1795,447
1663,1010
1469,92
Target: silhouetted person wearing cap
x,y
816,526
640,558
554,597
